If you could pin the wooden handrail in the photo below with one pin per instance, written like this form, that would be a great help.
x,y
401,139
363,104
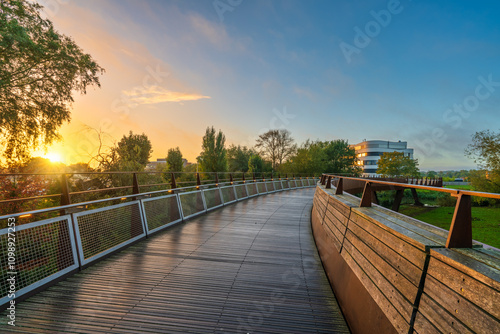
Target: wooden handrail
x,y
460,233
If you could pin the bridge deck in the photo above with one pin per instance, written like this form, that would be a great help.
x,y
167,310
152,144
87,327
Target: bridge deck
x,y
251,267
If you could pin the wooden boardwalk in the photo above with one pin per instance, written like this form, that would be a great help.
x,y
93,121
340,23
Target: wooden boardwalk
x,y
250,267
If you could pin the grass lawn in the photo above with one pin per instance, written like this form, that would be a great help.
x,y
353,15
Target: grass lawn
x,y
485,221
464,187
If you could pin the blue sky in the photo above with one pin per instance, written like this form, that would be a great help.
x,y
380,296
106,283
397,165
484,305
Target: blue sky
x,y
426,72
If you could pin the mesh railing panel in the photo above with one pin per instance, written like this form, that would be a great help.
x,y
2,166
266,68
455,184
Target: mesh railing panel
x,y
212,198
108,227
241,191
270,186
252,189
261,187
40,251
285,184
300,183
161,211
191,203
293,184
228,194
277,185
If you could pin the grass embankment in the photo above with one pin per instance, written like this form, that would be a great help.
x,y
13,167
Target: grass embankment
x,y
485,220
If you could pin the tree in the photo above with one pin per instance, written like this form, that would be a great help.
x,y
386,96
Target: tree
x,y
341,158
30,183
324,157
213,155
309,158
256,164
485,151
237,158
431,174
485,181
397,164
132,152
276,146
174,160
39,70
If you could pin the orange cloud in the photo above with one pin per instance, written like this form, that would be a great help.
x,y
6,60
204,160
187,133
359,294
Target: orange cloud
x,y
157,94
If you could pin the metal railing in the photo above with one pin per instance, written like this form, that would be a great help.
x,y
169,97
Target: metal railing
x,y
460,233
63,188
40,252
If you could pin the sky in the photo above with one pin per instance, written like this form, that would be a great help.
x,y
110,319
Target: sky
x,y
425,72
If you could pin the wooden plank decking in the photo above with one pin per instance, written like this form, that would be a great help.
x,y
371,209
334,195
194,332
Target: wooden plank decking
x,y
251,267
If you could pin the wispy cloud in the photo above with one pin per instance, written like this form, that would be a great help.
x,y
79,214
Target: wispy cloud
x,y
304,92
215,34
157,94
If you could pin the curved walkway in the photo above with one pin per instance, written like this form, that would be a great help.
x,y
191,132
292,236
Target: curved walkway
x,y
251,267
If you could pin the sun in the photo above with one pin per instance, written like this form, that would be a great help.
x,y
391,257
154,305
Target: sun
x,y
53,157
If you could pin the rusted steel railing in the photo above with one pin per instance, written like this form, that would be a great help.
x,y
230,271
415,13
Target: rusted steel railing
x,y
460,233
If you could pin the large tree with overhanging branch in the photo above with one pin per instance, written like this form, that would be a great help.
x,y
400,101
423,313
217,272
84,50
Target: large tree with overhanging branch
x,y
40,69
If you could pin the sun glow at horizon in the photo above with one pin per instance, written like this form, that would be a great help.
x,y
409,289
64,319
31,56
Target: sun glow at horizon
x,y
53,157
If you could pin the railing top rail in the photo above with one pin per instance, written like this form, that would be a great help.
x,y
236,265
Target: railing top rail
x,y
74,205
62,207
142,172
453,192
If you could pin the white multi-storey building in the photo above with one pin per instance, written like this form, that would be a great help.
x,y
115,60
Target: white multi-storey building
x,y
369,152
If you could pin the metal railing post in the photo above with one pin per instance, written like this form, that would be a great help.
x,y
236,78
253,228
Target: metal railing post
x,y
173,185
329,183
340,187
136,211
65,200
397,199
366,200
460,235
65,193
135,184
